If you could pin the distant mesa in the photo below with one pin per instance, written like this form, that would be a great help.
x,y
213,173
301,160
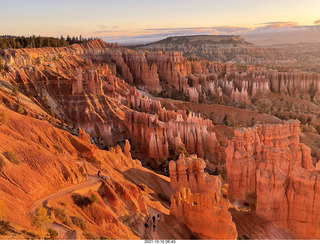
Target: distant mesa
x,y
222,39
223,48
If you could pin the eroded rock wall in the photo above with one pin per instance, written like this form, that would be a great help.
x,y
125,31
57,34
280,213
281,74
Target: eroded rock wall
x,y
164,130
269,161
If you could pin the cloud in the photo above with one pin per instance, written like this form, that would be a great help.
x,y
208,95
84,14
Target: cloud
x,y
220,29
105,31
228,30
275,25
101,26
317,22
155,34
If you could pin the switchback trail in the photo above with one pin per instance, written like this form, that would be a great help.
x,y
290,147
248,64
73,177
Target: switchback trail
x,y
91,180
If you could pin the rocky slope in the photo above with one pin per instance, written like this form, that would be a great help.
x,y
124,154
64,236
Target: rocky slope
x,y
52,159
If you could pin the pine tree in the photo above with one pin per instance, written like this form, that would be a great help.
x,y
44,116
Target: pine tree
x,y
38,41
68,40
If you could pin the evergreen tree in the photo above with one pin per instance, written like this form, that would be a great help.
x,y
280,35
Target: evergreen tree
x,y
38,42
68,40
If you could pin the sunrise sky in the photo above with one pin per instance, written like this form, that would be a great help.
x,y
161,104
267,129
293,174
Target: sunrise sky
x,y
142,21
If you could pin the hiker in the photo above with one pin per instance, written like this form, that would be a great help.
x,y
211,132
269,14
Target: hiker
x,y
158,217
147,222
99,172
154,219
154,228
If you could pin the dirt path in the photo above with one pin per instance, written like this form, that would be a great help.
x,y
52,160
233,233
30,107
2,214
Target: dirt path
x,y
91,180
65,233
64,191
163,229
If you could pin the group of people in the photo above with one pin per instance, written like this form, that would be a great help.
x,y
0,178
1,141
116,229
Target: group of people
x,y
153,221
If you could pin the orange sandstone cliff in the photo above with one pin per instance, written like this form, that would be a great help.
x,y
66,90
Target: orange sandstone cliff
x,y
198,201
269,161
205,214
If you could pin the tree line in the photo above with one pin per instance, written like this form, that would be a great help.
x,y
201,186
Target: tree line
x,y
39,41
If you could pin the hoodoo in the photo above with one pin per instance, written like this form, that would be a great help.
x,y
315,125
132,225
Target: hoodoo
x,y
99,138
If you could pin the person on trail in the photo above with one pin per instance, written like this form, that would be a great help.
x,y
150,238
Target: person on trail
x,y
158,217
154,219
99,174
147,222
154,228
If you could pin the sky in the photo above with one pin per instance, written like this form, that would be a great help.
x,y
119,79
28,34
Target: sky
x,y
126,21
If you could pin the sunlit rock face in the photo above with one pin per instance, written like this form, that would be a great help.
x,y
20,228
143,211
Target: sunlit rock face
x,y
269,161
205,214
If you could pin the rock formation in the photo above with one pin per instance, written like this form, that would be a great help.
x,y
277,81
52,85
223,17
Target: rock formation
x,y
269,161
175,131
127,148
172,67
189,172
69,84
205,214
198,201
94,87
193,94
253,148
141,72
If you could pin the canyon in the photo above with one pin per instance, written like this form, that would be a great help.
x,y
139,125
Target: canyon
x,y
166,132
